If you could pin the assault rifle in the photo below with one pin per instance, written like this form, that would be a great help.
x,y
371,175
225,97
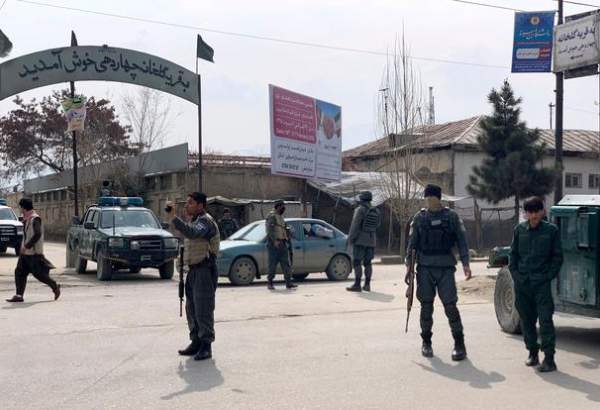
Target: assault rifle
x,y
410,281
181,282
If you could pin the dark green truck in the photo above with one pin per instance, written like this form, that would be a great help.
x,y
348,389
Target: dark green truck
x,y
577,288
119,233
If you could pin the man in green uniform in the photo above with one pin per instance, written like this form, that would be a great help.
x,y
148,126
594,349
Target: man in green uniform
x,y
362,238
278,242
227,225
434,232
535,260
201,247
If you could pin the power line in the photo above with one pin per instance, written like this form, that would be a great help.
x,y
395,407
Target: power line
x,y
256,37
580,4
494,6
3,3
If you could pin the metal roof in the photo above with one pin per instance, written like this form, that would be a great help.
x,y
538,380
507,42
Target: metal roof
x,y
464,134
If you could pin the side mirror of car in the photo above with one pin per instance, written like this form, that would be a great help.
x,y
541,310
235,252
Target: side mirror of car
x,y
75,220
20,219
89,225
165,225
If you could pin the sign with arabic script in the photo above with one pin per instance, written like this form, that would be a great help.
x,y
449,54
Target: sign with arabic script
x,y
576,44
93,63
532,47
306,136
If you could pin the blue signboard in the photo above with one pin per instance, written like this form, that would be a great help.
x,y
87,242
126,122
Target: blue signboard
x,y
532,48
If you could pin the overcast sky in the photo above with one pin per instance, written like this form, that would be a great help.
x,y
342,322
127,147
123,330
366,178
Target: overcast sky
x,y
235,88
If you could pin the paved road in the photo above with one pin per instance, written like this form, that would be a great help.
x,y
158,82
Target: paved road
x,y
113,345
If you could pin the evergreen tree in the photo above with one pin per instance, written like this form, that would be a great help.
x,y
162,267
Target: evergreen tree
x,y
512,167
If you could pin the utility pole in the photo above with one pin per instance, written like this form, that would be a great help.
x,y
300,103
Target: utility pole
x,y
558,132
551,106
74,148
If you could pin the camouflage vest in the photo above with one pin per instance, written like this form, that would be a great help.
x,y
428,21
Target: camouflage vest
x,y
199,249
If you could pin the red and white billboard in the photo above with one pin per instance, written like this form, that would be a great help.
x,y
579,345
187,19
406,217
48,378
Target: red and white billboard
x,y
306,136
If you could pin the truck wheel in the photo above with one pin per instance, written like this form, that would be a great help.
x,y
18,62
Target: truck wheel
x,y
104,271
339,268
134,269
71,258
80,263
2,249
166,271
242,271
504,303
18,249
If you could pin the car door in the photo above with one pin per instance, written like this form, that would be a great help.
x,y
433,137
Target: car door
x,y
299,262
86,234
319,245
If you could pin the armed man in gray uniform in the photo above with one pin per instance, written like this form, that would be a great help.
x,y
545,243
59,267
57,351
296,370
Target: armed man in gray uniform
x,y
434,232
201,247
362,239
278,245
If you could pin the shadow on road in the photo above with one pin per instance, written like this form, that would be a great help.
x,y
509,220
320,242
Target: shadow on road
x,y
568,382
377,297
23,305
465,372
198,376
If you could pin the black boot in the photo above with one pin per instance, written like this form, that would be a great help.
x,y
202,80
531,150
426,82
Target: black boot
x,y
357,277
427,349
533,359
368,273
270,285
204,353
460,351
290,285
548,365
192,349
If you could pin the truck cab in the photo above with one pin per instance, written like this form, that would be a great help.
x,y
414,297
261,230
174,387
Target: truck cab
x,y
11,229
119,233
576,290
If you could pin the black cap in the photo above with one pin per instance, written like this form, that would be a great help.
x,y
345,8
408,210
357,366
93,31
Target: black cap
x,y
365,196
26,204
278,203
433,190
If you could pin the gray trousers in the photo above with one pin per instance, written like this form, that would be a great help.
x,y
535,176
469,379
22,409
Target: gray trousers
x,y
200,288
279,256
441,280
362,256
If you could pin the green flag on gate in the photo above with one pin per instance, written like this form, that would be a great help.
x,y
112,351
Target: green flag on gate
x,y
205,51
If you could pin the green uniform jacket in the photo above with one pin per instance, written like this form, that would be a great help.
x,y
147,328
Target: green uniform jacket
x,y
535,254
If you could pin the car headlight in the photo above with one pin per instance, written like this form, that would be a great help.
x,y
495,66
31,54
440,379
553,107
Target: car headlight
x,y
116,242
19,230
171,243
135,245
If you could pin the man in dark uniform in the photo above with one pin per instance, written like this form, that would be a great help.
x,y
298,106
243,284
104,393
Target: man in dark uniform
x,y
433,234
227,225
535,260
201,247
31,257
278,242
362,239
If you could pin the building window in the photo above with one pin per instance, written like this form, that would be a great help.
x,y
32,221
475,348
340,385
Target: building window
x,y
150,183
573,180
55,196
165,181
594,181
63,195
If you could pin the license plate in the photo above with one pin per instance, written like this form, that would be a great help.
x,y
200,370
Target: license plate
x,y
146,258
4,239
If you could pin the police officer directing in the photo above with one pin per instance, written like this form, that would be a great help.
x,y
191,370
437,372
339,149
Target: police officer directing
x,y
362,239
434,232
278,241
201,247
535,260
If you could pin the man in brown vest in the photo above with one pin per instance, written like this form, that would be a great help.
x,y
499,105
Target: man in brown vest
x,y
278,241
31,259
201,247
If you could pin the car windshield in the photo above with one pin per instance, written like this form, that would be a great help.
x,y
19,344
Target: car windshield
x,y
127,218
7,214
254,233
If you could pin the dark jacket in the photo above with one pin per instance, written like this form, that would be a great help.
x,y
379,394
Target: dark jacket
x,y
535,254
357,236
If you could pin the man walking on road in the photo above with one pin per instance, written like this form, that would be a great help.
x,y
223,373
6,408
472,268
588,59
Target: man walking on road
x,y
535,260
362,239
434,232
31,259
201,247
278,243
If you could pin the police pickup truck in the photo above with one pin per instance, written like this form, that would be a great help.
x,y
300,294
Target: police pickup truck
x,y
11,230
119,233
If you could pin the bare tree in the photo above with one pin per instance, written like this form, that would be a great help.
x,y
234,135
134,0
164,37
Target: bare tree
x,y
148,112
401,121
